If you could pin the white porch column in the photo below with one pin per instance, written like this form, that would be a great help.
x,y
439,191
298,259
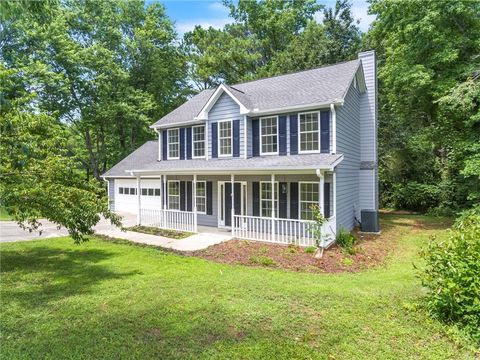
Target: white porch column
x,y
320,193
161,192
194,192
333,115
334,212
139,201
273,205
232,181
164,199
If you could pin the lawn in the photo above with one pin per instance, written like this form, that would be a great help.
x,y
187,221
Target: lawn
x,y
116,300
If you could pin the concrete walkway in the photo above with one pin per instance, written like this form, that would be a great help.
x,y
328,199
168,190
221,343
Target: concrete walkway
x,y
11,232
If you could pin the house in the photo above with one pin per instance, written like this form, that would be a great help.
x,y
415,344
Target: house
x,y
254,157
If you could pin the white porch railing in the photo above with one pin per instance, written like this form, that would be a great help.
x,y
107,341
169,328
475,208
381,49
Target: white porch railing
x,y
283,231
168,219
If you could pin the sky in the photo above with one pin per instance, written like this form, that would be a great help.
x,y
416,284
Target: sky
x,y
187,14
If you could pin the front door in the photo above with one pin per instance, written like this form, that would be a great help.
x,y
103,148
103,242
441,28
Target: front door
x,y
225,201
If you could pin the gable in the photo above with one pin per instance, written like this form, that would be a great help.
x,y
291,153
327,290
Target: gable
x,y
225,108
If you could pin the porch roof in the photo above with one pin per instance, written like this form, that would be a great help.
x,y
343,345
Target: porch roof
x,y
144,161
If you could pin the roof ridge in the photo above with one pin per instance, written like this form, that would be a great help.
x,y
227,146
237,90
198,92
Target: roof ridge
x,y
293,72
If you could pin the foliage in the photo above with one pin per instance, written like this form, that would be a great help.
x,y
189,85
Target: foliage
x,y
346,240
451,274
316,226
428,96
159,232
310,250
415,196
115,299
262,260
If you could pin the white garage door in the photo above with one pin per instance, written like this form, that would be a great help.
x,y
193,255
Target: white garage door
x,y
126,194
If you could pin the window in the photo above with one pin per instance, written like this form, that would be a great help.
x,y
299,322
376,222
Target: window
x,y
198,141
173,144
266,199
269,131
174,195
133,191
201,197
144,192
120,190
150,192
309,196
309,132
225,138
157,192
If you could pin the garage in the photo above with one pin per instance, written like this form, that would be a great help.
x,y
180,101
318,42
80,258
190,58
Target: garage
x,y
126,194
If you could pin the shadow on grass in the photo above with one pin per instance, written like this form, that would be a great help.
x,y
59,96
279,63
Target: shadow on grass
x,y
42,274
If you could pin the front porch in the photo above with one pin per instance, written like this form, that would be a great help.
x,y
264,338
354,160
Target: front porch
x,y
241,204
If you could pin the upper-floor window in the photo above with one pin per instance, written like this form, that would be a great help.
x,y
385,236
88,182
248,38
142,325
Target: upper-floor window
x,y
266,198
198,133
269,135
309,196
173,143
174,195
201,197
225,138
309,132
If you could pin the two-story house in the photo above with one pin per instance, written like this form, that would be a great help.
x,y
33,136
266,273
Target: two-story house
x,y
255,157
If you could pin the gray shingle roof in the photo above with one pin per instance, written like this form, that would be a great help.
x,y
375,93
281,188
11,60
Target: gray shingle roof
x,y
145,159
323,85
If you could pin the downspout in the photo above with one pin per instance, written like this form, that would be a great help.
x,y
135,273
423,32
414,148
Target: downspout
x,y
159,144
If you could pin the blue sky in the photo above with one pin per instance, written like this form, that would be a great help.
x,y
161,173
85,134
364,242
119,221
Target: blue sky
x,y
187,14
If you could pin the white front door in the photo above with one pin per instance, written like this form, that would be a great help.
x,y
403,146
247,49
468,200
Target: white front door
x,y
225,201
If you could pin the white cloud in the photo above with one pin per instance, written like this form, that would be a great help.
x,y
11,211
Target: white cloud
x,y
217,6
185,26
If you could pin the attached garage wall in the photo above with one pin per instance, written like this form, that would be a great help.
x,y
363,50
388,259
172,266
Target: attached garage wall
x,y
128,203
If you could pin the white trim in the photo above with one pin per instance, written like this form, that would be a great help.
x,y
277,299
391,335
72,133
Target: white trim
x,y
288,109
300,197
177,124
245,136
231,138
221,199
168,144
261,135
207,138
276,210
179,195
333,115
203,114
300,151
159,144
205,196
204,142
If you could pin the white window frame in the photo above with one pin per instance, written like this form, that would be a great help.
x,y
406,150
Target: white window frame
x,y
199,141
168,144
169,194
277,200
205,197
300,151
231,138
261,135
300,196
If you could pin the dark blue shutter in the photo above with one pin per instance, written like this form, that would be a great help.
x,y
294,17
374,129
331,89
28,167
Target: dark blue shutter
x,y
164,145
228,204
256,198
236,138
282,207
293,134
209,198
237,195
255,137
189,196
282,134
182,144
294,200
189,143
182,195
326,200
167,205
325,131
214,140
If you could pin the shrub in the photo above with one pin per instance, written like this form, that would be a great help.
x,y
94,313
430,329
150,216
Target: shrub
x,y
452,275
310,250
346,240
262,260
416,196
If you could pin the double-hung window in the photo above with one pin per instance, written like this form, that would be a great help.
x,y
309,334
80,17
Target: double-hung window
x,y
173,143
269,135
309,132
198,133
266,199
309,197
225,138
174,195
201,197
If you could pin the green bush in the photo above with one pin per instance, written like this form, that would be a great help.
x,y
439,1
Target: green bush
x,y
415,196
452,275
310,250
346,240
262,260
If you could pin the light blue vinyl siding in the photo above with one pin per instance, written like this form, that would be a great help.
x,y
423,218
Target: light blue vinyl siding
x,y
111,194
348,144
226,109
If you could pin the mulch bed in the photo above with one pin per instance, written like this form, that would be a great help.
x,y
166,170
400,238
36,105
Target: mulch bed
x,y
371,250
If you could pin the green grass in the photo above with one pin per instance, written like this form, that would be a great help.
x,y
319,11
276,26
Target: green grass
x,y
4,216
113,300
160,232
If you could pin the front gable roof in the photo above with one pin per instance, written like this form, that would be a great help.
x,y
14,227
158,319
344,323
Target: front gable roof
x,y
316,87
